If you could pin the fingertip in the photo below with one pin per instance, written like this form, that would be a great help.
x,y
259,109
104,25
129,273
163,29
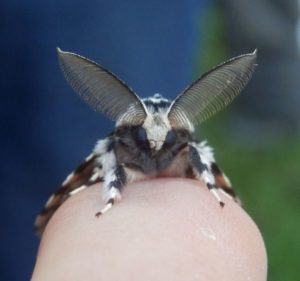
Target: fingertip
x,y
163,229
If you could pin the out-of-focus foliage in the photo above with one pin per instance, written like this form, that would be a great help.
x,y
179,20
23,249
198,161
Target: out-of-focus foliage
x,y
267,180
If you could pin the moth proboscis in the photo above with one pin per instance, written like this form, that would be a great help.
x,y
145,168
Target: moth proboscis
x,y
152,135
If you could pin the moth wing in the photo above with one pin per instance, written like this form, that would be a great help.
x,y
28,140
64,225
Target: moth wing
x,y
85,175
101,89
212,91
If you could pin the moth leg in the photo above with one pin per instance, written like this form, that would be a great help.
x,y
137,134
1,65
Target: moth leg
x,y
223,183
114,181
201,167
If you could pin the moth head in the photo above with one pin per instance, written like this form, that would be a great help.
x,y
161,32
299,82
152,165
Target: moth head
x,y
156,124
156,118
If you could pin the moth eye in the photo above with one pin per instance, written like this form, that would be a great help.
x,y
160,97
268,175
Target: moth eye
x,y
141,138
170,138
141,135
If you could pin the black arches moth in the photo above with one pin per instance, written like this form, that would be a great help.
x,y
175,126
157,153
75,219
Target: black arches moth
x,y
152,135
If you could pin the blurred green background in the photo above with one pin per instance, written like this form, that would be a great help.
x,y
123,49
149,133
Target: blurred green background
x,y
265,173
266,179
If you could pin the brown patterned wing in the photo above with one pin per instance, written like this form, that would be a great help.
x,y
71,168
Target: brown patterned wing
x,y
85,175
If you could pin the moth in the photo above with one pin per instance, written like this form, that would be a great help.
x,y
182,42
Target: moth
x,y
152,136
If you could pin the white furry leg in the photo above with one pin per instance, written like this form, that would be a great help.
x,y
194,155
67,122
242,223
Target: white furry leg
x,y
113,195
215,193
201,164
113,183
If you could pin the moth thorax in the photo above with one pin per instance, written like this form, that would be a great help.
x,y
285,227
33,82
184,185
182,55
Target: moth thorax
x,y
156,126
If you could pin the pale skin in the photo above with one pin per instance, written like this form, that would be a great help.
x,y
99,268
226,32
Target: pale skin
x,y
163,229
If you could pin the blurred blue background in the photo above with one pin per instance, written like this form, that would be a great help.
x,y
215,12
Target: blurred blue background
x,y
46,129
156,46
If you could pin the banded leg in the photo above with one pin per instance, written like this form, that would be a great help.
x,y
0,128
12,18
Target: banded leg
x,y
223,183
114,181
201,167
